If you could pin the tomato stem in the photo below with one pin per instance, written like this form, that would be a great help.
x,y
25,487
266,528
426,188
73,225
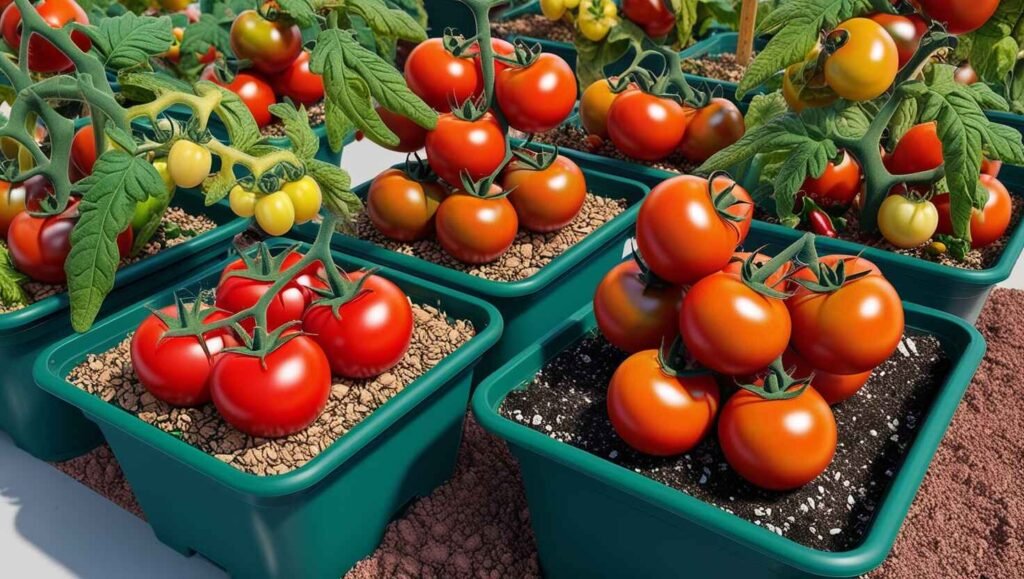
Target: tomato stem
x,y
778,384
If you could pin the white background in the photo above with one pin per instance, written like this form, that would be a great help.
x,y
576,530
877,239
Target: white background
x,y
53,527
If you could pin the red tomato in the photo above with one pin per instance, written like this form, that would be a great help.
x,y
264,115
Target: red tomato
x,y
653,16
987,225
991,168
44,57
645,126
834,388
778,445
732,329
177,370
538,97
735,267
402,208
439,78
907,31
660,414
633,315
475,230
476,147
837,187
298,83
83,150
681,210
271,46
237,293
39,246
369,335
711,129
274,397
960,16
253,90
411,137
549,199
919,150
851,330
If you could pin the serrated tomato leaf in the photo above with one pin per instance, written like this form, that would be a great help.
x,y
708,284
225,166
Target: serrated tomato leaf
x,y
204,33
296,127
807,159
336,187
11,292
236,117
387,22
301,11
128,40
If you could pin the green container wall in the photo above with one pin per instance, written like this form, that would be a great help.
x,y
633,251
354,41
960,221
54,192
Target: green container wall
x,y
528,306
316,521
593,518
442,14
44,426
1008,119
724,42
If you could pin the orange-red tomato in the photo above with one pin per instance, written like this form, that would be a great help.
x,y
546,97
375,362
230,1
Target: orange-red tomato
x,y
711,129
595,104
732,329
834,388
774,281
837,187
660,414
646,126
906,32
402,208
960,16
549,199
538,97
850,330
633,316
988,224
474,147
475,230
439,78
680,233
778,445
919,150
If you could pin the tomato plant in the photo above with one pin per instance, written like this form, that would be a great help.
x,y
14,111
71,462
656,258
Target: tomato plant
x,y
43,56
539,96
987,224
475,229
653,16
634,311
545,199
862,61
663,121
270,45
457,146
366,335
272,395
906,222
298,83
401,207
188,163
438,77
244,281
657,410
834,388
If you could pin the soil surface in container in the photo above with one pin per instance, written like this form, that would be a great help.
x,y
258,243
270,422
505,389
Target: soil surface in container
x,y
529,252
717,66
964,523
534,26
315,112
575,138
567,401
177,228
110,376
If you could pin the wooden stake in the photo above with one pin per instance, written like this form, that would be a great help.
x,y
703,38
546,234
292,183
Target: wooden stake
x,y
748,22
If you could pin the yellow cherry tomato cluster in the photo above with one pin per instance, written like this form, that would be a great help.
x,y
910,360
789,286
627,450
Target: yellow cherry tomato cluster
x,y
594,18
297,202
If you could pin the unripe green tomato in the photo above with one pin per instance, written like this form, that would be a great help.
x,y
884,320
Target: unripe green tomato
x,y
188,163
907,223
242,202
306,198
275,213
145,209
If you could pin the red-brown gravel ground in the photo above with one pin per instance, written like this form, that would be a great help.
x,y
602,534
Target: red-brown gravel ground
x,y
966,522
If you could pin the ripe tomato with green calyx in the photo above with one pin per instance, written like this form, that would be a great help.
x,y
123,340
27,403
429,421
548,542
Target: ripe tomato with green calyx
x,y
177,369
44,57
440,78
847,318
595,104
960,16
39,246
712,128
688,227
188,163
369,333
411,137
837,187
777,434
654,16
272,394
987,224
270,45
457,146
907,222
539,96
634,310
256,93
645,126
546,199
300,84
401,207
906,31
475,229
244,281
775,281
862,61
658,410
834,388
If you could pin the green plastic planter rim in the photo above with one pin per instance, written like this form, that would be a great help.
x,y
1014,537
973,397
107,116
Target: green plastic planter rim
x,y
327,461
547,275
888,516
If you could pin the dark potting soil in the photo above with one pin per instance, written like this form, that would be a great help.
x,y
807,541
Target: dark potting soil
x,y
567,401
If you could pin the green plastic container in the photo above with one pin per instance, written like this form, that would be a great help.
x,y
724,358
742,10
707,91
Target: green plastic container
x,y
593,518
316,521
528,306
716,44
1008,119
442,14
44,426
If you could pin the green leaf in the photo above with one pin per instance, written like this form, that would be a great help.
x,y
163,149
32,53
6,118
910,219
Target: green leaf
x,y
119,181
781,133
808,159
11,292
354,78
301,11
237,118
415,8
336,187
338,126
592,57
903,120
387,22
144,86
686,20
764,108
296,127
128,41
204,33
993,48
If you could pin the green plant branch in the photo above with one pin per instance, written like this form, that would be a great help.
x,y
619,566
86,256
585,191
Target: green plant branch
x,y
481,15
673,74
202,106
230,157
33,23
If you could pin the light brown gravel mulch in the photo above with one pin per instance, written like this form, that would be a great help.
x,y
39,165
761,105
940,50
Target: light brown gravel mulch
x,y
535,26
529,252
110,377
719,67
178,227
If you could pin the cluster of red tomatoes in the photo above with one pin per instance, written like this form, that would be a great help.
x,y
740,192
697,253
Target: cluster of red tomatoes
x,y
279,65
280,392
746,318
653,127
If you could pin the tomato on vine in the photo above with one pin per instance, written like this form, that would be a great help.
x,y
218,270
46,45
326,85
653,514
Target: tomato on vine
x,y
834,388
189,163
837,187
653,16
456,145
298,83
863,60
595,105
270,45
305,196
244,288
646,126
960,16
545,199
475,229
242,201
907,222
635,312
597,18
906,31
539,96
712,128
255,92
918,150
401,207
44,57
275,213
987,224
440,78
83,150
